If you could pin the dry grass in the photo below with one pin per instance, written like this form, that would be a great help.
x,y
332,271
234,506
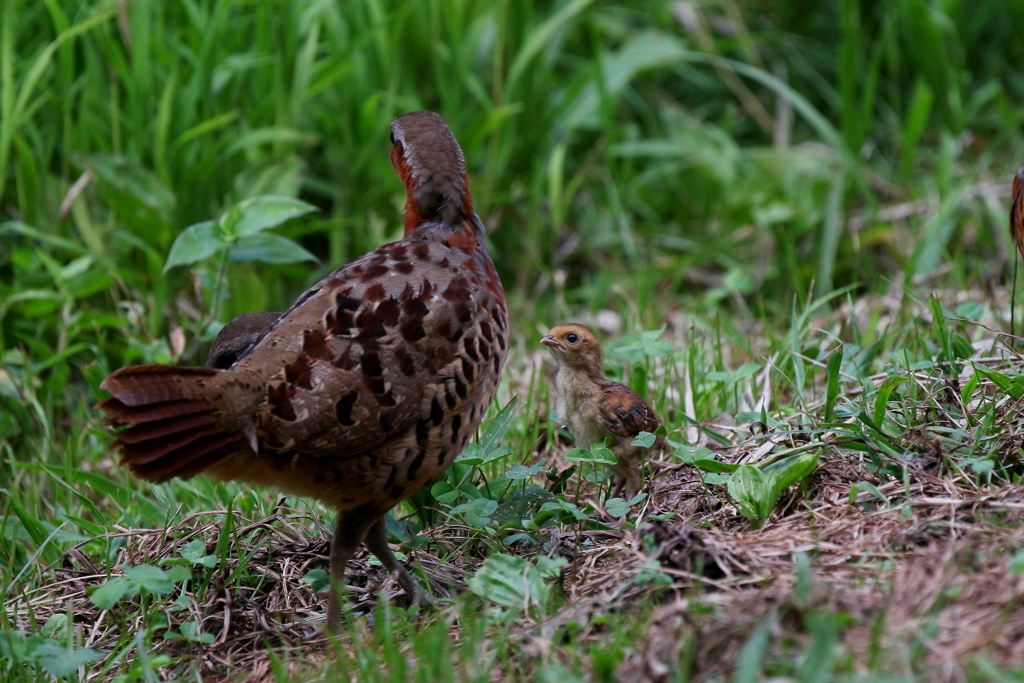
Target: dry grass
x,y
937,576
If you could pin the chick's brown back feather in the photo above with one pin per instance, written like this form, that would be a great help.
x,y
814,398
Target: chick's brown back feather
x,y
623,413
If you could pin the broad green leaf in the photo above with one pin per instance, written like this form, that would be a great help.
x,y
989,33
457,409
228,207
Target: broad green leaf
x,y
521,504
967,393
477,512
983,466
599,454
577,455
190,631
195,552
61,662
564,506
520,472
497,454
150,578
316,579
970,310
715,466
786,472
472,454
444,492
195,243
746,371
870,488
690,454
267,211
108,594
750,489
644,440
617,507
550,567
513,581
269,248
14,645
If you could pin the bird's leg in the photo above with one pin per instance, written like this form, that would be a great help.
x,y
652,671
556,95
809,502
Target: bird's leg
x,y
629,470
349,532
618,488
377,543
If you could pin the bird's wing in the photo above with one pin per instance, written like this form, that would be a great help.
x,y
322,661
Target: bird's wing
x,y
623,413
391,341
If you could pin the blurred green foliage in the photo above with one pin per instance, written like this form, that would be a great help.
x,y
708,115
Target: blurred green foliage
x,y
742,161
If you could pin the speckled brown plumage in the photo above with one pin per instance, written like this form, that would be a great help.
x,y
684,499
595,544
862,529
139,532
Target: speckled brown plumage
x,y
594,408
362,391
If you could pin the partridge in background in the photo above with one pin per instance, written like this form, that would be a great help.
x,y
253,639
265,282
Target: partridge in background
x,y
365,389
1017,211
594,408
237,336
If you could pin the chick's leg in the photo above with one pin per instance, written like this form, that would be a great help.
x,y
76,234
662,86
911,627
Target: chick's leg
x,y
349,532
377,543
629,470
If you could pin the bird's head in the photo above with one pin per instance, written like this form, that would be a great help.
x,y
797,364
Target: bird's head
x,y
575,346
432,168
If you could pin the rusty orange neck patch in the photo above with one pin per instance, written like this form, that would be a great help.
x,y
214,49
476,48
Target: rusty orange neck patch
x,y
412,215
464,239
448,212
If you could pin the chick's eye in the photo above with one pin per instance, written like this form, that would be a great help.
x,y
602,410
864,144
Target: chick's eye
x,y
572,338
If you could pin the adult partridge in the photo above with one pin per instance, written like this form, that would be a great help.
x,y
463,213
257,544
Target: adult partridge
x,y
360,393
594,408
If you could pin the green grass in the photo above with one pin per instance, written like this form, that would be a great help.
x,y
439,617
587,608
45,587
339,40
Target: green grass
x,y
767,179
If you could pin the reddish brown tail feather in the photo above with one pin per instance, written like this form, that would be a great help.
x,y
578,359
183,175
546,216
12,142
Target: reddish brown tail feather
x,y
171,416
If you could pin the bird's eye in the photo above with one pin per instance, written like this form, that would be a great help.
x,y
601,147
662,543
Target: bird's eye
x,y
572,338
393,141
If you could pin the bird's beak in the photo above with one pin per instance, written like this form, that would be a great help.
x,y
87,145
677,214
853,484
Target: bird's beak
x,y
552,342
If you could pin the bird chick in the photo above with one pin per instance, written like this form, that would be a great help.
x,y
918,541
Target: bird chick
x,y
594,408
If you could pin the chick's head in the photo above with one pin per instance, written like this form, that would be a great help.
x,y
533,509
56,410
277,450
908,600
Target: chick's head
x,y
575,346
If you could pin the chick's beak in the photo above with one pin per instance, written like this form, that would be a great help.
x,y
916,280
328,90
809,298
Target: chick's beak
x,y
549,340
